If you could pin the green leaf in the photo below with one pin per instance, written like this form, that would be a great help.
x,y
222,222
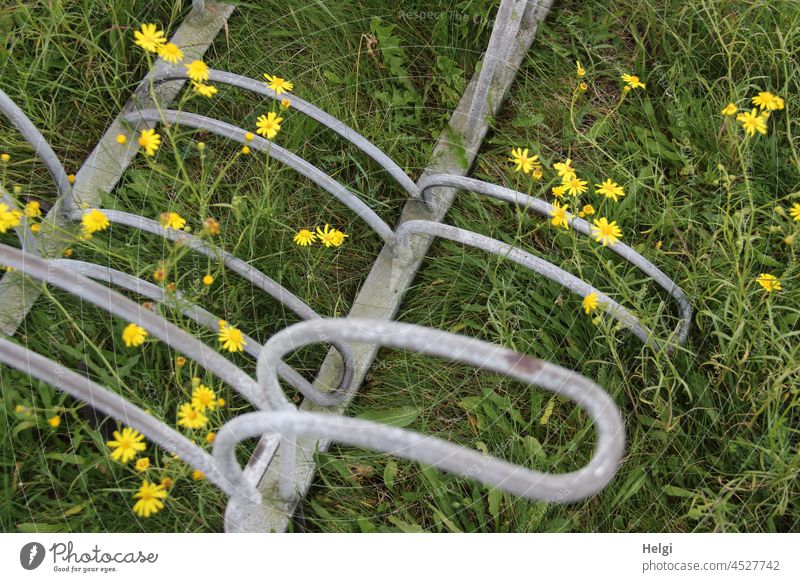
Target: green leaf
x,y
399,417
389,474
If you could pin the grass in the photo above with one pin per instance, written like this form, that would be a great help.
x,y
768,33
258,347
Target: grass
x,y
712,432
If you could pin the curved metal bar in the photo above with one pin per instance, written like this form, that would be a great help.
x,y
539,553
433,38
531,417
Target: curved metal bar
x,y
284,156
197,314
24,233
507,23
578,224
527,260
121,306
41,148
434,451
112,404
312,111
253,276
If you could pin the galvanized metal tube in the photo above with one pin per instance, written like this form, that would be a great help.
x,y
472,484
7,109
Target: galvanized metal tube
x,y
314,112
246,271
439,453
195,313
527,260
107,402
544,208
40,146
119,305
284,156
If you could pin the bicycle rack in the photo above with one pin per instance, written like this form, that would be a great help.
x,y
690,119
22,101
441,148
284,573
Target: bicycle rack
x,y
264,494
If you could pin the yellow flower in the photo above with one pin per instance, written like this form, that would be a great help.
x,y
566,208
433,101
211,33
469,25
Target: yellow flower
x,y
752,122
249,136
95,221
71,178
574,186
536,174
304,237
198,475
167,482
730,109
67,252
231,338
285,103
9,217
794,211
590,302
197,71
201,146
35,228
190,417
269,125
171,53
5,158
768,101
211,437
607,233
560,215
278,84
587,210
149,38
558,191
133,335
121,138
208,280
580,69
769,282
150,141
159,275
204,90
245,150
142,464
32,209
203,398
54,421
172,220
330,237
524,162
633,81
610,189
584,87
221,402
180,361
150,498
565,170
126,444
19,409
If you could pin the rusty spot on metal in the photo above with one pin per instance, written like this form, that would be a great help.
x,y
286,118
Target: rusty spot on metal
x,y
525,363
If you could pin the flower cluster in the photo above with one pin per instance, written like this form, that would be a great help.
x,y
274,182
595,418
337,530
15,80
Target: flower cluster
x,y
603,231
9,217
330,237
152,39
755,120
